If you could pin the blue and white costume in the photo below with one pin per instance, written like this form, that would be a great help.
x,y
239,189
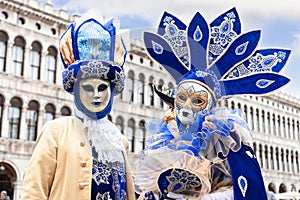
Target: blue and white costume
x,y
209,62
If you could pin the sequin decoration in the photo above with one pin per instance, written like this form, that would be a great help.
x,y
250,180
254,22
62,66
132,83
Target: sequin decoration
x,y
197,34
243,185
181,181
158,49
264,83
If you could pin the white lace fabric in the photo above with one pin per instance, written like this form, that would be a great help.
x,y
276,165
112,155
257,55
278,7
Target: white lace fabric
x,y
104,136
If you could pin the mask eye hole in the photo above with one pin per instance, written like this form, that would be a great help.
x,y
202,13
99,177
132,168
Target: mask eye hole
x,y
198,101
102,87
181,97
88,88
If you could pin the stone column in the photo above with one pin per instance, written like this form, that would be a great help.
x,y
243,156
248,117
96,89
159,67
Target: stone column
x,y
17,190
9,60
146,93
280,161
26,64
264,156
281,127
43,67
255,125
40,120
275,160
23,124
5,122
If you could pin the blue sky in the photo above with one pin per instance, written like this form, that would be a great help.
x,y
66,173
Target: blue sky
x,y
279,20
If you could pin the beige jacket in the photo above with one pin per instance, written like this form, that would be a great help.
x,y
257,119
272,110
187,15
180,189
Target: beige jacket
x,y
61,165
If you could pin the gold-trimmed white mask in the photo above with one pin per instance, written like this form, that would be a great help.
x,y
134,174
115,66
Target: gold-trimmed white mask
x,y
94,94
192,100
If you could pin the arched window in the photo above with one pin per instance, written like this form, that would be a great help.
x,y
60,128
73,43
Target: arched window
x,y
257,120
120,123
287,131
49,113
160,87
297,162
261,156
271,187
32,120
65,111
266,154
282,160
131,134
14,117
292,162
246,113
130,85
254,148
3,50
269,123
274,124
297,130
140,85
287,161
283,127
282,188
263,121
35,60
18,56
140,136
2,100
51,65
279,125
150,91
271,158
293,129
277,157
232,105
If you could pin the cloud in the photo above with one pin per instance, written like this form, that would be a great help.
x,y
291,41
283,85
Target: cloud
x,y
296,44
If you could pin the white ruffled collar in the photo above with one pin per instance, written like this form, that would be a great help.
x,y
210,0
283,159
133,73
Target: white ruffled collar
x,y
104,136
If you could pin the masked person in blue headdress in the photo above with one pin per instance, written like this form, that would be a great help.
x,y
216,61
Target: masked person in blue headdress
x,y
200,150
84,156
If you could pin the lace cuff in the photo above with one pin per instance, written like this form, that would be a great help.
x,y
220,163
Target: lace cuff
x,y
224,130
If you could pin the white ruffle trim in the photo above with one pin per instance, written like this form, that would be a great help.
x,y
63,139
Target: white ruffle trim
x,y
105,137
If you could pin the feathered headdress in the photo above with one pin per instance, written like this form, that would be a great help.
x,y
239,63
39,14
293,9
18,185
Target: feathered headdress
x,y
218,55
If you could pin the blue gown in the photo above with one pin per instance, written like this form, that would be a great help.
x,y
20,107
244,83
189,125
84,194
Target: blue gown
x,y
108,179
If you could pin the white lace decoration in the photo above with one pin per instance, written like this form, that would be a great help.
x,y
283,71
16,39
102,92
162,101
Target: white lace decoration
x,y
104,136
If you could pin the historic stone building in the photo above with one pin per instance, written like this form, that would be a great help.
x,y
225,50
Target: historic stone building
x,y
31,94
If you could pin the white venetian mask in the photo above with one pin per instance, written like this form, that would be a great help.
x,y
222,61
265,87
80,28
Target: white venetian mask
x,y
94,94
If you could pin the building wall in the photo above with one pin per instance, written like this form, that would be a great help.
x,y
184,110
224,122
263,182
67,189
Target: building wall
x,y
274,119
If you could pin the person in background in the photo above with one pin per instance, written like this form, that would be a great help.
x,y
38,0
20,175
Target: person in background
x,y
201,151
84,156
4,196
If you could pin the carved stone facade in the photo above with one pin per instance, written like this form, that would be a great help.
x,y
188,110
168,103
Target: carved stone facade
x,y
31,94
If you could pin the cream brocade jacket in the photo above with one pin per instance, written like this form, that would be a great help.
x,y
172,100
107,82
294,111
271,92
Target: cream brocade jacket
x,y
61,165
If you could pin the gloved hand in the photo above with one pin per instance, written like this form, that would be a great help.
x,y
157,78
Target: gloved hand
x,y
181,196
224,195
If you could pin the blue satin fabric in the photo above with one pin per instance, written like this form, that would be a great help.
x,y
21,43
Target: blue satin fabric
x,y
244,164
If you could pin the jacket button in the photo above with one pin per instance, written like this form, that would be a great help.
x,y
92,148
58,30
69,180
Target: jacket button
x,y
81,186
83,164
82,144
